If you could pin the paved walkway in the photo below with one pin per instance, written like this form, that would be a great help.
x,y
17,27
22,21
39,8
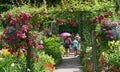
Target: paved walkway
x,y
69,64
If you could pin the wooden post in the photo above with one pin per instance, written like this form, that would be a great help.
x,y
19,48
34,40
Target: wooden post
x,y
94,52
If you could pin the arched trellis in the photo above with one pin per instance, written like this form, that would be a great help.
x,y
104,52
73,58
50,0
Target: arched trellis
x,y
81,24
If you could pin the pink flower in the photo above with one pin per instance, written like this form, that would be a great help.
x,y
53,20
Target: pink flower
x,y
38,24
26,21
13,22
30,42
23,36
19,34
45,12
103,29
24,28
41,46
111,37
9,14
109,31
106,22
1,16
34,36
30,26
26,16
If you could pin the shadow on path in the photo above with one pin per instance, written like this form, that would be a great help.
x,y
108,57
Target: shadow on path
x,y
69,64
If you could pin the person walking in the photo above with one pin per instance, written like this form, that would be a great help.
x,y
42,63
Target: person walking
x,y
75,47
77,37
67,45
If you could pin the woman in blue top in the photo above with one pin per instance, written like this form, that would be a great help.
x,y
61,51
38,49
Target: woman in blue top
x,y
75,45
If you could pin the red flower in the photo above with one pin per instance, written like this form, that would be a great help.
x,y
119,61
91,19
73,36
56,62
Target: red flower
x,y
73,24
10,51
21,46
31,55
59,21
106,15
101,17
110,13
94,33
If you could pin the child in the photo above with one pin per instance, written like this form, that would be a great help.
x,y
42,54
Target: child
x,y
75,47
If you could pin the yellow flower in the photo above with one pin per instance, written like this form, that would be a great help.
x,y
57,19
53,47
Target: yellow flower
x,y
1,59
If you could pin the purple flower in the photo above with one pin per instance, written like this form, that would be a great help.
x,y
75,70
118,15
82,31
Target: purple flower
x,y
115,22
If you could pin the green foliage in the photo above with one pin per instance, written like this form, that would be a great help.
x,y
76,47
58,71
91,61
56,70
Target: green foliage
x,y
5,7
43,58
114,59
10,63
54,49
46,58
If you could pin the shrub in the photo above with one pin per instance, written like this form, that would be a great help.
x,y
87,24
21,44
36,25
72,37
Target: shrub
x,y
53,48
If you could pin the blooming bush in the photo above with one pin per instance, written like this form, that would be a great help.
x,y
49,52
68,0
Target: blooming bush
x,y
18,33
108,31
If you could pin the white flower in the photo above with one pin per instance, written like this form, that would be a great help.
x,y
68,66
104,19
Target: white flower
x,y
12,65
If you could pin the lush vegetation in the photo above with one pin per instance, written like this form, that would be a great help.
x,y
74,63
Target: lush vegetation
x,y
96,21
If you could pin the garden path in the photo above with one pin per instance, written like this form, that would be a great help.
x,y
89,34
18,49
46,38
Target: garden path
x,y
69,64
